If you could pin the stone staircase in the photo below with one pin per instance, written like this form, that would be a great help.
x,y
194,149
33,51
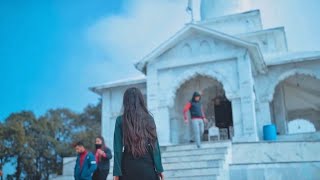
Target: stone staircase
x,y
210,162
187,162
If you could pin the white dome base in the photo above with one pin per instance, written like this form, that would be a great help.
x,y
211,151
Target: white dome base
x,y
215,8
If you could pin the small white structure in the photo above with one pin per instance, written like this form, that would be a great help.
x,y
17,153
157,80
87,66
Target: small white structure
x,y
300,126
226,56
212,132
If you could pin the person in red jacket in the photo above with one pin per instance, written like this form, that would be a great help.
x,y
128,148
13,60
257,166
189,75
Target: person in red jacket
x,y
198,117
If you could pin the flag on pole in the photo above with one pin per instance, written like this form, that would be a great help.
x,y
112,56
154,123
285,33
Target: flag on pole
x,y
189,7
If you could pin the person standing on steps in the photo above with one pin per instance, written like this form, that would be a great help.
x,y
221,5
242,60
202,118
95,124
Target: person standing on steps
x,y
136,148
103,156
198,118
85,163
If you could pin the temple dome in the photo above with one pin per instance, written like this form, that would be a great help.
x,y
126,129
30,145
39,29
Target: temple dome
x,y
215,8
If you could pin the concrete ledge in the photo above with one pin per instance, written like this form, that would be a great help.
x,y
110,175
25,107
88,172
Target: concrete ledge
x,y
276,171
275,152
314,136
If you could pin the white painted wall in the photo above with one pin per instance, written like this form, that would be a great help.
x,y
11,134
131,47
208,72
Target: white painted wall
x,y
275,161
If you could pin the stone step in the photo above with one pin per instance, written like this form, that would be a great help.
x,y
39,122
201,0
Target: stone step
x,y
192,172
193,165
190,159
183,156
195,152
189,165
63,178
193,146
110,177
213,177
187,162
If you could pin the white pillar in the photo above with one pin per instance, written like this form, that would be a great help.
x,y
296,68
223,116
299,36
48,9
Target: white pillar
x,y
106,128
264,117
279,110
237,119
247,100
248,117
160,114
163,126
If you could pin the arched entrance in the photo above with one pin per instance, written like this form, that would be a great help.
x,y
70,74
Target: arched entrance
x,y
217,108
296,97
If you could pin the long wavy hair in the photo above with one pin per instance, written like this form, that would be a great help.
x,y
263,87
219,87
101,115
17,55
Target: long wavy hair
x,y
139,129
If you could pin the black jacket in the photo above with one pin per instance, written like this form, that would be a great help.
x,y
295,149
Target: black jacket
x,y
104,163
196,106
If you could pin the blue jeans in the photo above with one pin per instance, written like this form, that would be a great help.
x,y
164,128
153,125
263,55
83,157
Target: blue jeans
x,y
198,129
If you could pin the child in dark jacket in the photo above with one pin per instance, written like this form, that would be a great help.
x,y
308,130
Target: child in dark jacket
x,y
85,164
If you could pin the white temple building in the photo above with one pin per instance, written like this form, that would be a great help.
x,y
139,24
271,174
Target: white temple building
x,y
229,56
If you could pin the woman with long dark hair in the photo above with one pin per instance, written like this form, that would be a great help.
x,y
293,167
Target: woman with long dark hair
x,y
136,148
103,156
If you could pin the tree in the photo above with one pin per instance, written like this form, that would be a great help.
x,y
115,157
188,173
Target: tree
x,y
18,142
4,150
37,145
59,125
46,160
89,125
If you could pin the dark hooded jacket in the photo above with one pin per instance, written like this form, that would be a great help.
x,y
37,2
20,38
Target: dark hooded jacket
x,y
196,109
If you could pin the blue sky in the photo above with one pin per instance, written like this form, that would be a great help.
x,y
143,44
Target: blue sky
x,y
43,51
52,51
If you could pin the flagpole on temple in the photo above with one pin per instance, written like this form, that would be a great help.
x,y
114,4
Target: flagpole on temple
x,y
189,9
